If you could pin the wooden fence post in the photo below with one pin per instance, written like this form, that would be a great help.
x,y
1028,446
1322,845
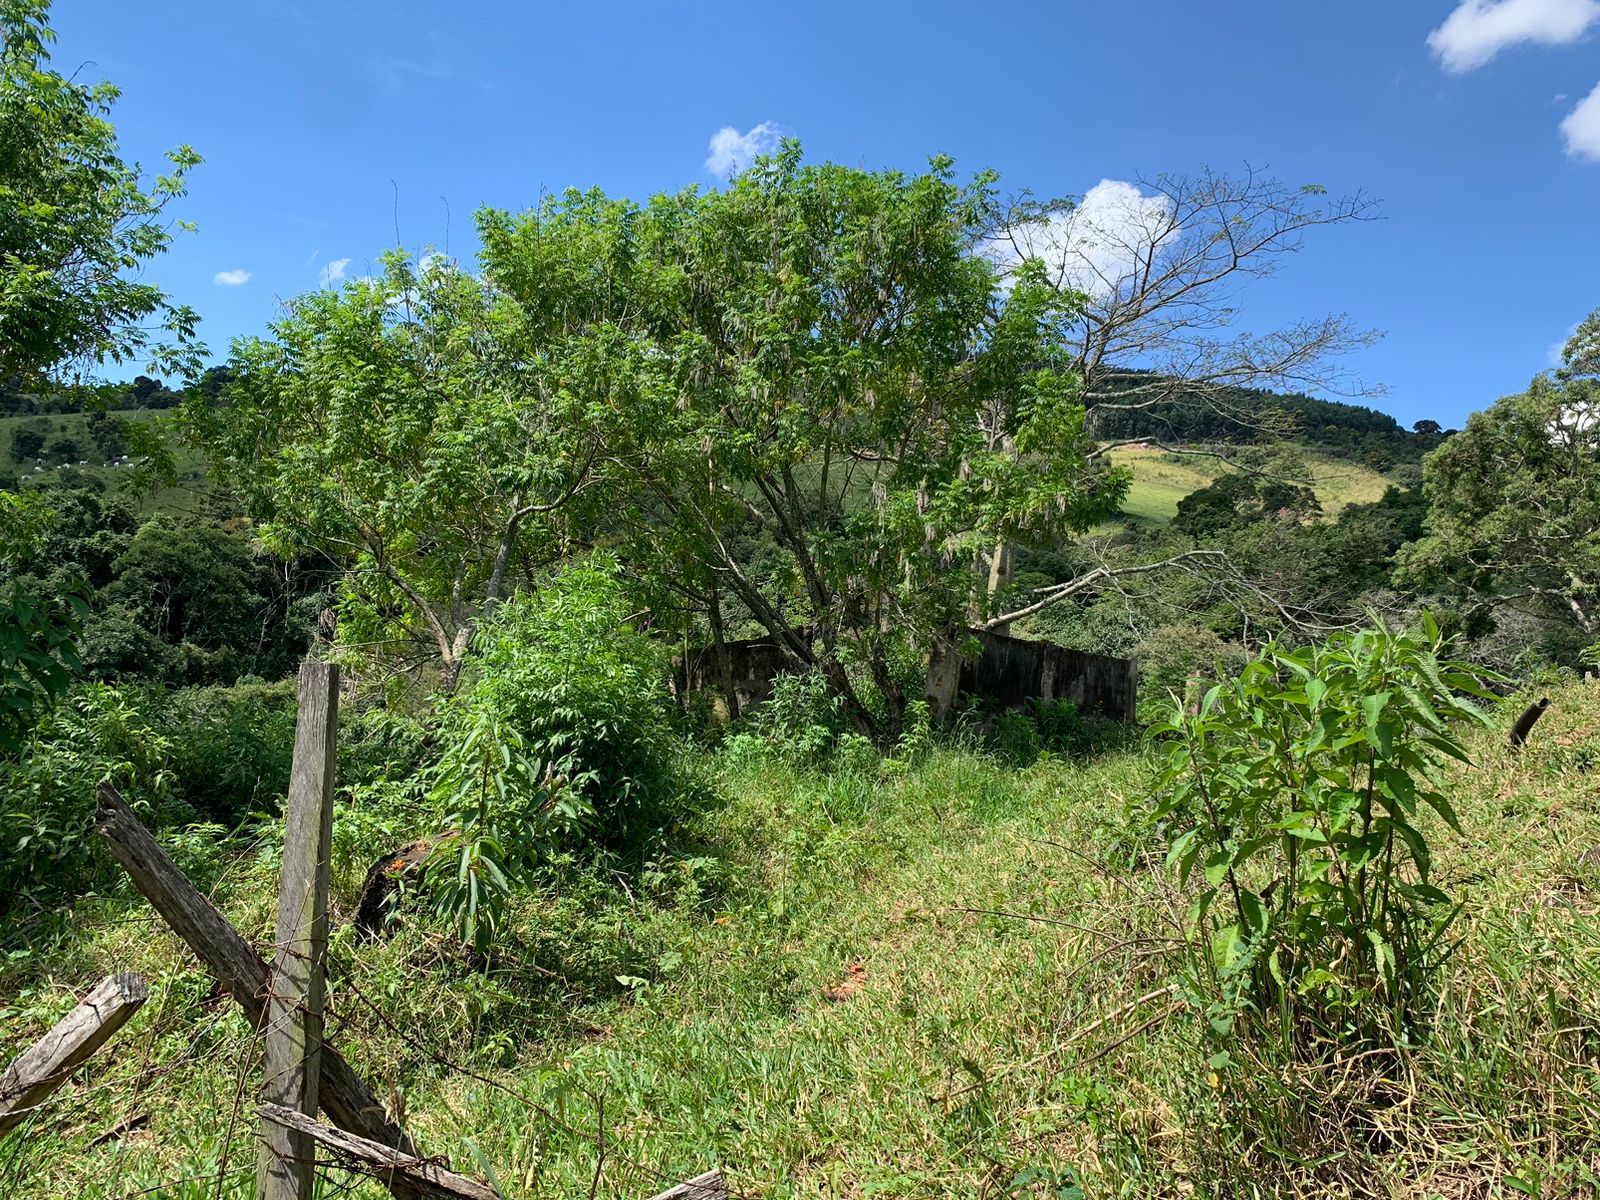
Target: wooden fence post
x,y
292,1050
45,1065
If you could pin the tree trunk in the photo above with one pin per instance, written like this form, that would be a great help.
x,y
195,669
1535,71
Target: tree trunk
x,y
719,647
944,674
999,577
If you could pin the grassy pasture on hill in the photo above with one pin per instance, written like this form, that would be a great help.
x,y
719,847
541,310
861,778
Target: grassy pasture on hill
x,y
1161,479
986,934
190,468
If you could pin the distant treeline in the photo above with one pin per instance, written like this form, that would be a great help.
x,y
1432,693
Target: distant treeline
x,y
1249,415
142,393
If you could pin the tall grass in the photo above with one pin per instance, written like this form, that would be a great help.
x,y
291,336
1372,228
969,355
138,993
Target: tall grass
x,y
1009,1031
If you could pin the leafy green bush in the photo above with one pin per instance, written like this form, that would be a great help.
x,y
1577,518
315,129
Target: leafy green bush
x,y
562,726
47,792
1023,735
799,723
231,747
1294,796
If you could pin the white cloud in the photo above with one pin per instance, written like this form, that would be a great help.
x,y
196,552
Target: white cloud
x,y
1096,247
1580,128
332,272
1479,29
732,151
235,278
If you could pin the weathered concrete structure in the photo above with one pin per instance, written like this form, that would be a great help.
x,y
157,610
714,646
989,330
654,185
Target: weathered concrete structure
x,y
1010,671
1014,670
752,665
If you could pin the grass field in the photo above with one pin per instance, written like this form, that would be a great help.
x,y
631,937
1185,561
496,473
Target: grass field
x,y
935,979
181,497
1162,479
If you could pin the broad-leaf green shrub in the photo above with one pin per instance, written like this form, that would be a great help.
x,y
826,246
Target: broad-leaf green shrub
x,y
47,791
232,747
1036,729
562,726
1296,797
800,723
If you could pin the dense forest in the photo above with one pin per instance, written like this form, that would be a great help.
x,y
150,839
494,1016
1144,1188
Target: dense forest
x,y
1307,927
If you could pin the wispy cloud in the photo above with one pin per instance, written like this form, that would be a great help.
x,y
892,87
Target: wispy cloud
x,y
732,151
1553,353
394,71
332,272
1479,29
1580,129
238,277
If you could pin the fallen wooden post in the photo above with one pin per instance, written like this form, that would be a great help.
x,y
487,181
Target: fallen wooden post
x,y
710,1186
341,1094
425,1177
292,1034
45,1066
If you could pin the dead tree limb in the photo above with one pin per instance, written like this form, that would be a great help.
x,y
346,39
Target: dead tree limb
x,y
1056,593
45,1066
710,1186
424,1177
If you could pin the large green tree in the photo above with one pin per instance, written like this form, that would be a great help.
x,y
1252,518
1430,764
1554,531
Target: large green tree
x,y
1514,499
834,374
76,221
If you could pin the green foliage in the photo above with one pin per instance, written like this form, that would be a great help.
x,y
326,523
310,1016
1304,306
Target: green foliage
x,y
28,439
47,792
561,726
483,447
75,219
230,748
1238,500
1293,798
38,658
1514,503
1039,729
823,367
199,758
39,628
800,722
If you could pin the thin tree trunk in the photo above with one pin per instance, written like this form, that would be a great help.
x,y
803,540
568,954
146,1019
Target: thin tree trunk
x,y
719,647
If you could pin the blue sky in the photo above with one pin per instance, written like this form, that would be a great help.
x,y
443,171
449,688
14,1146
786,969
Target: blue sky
x,y
325,125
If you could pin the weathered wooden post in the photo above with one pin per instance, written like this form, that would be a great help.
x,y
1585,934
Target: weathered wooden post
x,y
45,1065
292,1049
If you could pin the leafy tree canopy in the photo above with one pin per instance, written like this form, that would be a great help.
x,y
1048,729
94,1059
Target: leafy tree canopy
x,y
396,427
836,370
75,219
1514,499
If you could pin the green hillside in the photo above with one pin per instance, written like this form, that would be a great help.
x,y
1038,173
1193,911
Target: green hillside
x,y
73,427
1162,479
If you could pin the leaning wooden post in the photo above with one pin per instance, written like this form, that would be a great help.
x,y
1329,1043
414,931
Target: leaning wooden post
x,y
45,1065
292,1050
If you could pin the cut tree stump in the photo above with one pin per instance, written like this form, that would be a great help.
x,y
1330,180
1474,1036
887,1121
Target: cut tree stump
x,y
1525,723
382,882
45,1066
